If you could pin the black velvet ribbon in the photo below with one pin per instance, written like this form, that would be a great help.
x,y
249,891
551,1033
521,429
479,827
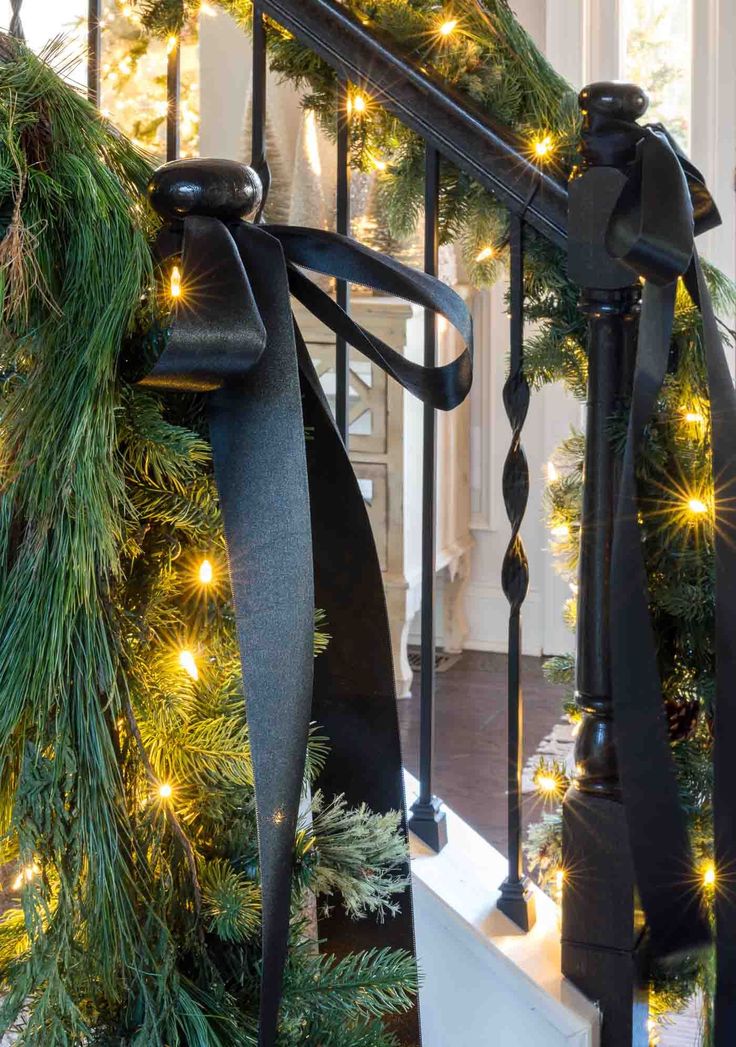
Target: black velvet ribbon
x,y
295,522
662,206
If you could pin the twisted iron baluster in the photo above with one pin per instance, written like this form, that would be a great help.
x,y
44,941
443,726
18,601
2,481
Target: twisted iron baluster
x,y
259,151
516,899
16,26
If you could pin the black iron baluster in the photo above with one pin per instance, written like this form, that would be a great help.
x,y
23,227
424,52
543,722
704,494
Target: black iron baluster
x,y
173,93
516,899
259,151
94,50
342,288
600,922
428,820
16,26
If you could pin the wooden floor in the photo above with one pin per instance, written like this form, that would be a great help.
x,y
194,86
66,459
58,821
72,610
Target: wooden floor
x,y
470,755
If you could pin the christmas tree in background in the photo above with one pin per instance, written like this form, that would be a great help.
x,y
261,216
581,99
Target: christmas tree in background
x,y
131,902
481,50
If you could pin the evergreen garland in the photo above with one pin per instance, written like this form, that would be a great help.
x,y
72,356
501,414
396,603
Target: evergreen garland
x,y
128,844
480,49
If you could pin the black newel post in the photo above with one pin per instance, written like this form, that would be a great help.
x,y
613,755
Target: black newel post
x,y
600,923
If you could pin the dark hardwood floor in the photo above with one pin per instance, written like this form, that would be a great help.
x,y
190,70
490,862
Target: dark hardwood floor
x,y
470,758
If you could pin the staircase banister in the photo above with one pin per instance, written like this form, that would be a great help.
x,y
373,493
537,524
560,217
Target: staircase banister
x,y
491,153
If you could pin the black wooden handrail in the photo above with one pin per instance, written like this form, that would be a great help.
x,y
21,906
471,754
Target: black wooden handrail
x,y
493,155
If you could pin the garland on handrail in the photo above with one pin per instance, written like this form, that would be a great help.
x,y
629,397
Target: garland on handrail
x,y
480,49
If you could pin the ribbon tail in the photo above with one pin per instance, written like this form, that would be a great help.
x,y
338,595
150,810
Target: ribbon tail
x,y
257,440
657,829
723,422
354,691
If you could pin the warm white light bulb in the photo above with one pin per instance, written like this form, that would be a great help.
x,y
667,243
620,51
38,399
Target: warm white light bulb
x,y
171,45
205,572
547,784
188,664
560,531
695,505
542,146
484,254
448,28
165,791
175,282
709,875
359,104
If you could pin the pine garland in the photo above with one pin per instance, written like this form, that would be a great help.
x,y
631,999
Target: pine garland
x,y
127,826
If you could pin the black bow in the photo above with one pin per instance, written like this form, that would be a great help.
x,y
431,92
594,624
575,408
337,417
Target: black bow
x,y
297,531
664,204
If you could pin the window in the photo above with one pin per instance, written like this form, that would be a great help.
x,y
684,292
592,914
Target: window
x,y
657,53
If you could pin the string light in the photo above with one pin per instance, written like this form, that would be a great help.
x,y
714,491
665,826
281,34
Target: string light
x,y
188,664
205,572
547,784
696,506
171,45
175,283
484,254
380,165
207,9
559,879
560,531
28,873
552,474
165,791
709,875
542,146
550,779
359,104
448,28
694,417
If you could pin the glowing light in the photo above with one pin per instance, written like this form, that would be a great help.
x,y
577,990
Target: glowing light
x,y
694,417
171,45
357,104
560,531
559,879
542,146
550,780
207,9
188,664
175,283
552,474
484,254
547,784
165,791
709,875
28,873
205,572
380,165
696,506
448,28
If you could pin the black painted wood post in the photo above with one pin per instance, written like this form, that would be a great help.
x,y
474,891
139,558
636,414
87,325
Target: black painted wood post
x,y
600,921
